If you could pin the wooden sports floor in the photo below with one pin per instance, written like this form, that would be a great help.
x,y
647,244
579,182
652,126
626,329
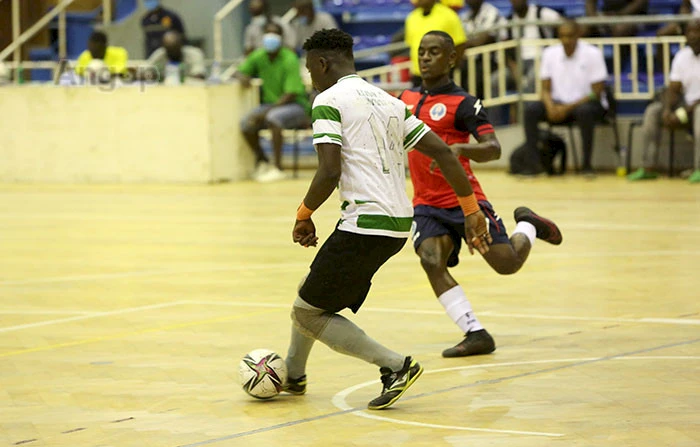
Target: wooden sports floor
x,y
124,311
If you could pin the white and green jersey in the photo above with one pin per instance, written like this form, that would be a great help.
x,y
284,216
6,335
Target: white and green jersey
x,y
373,130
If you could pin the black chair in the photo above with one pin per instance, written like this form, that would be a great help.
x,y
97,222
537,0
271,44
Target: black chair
x,y
610,119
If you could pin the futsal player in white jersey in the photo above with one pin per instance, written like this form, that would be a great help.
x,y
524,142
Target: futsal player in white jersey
x,y
360,134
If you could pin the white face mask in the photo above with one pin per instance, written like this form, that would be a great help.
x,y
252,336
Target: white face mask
x,y
271,42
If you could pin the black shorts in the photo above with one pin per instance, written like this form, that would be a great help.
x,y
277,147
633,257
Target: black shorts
x,y
341,273
430,222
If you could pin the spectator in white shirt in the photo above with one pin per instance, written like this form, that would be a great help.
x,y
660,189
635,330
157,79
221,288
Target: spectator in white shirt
x,y
308,21
253,34
528,11
573,77
478,22
679,108
174,58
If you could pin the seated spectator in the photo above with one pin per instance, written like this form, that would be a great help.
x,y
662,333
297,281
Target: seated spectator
x,y
611,8
679,107
573,77
676,29
253,34
113,58
284,101
308,21
431,15
156,22
526,11
478,22
188,60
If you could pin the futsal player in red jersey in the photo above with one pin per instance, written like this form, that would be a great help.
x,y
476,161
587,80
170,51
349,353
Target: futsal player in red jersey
x,y
438,222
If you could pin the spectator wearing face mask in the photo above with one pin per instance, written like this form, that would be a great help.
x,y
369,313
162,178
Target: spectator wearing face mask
x,y
176,59
285,104
308,21
260,15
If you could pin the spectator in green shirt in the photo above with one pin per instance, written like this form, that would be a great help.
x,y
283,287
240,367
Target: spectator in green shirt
x,y
285,104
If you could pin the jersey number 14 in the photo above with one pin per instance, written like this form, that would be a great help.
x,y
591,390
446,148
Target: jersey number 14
x,y
387,140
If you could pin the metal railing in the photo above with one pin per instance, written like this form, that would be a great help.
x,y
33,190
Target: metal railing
x,y
19,39
495,86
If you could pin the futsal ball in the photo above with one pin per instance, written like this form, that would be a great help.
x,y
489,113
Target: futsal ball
x,y
263,373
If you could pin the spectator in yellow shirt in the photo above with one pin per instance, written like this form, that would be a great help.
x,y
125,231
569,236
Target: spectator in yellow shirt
x,y
114,58
454,4
431,15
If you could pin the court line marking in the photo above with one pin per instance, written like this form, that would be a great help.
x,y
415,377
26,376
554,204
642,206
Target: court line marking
x,y
359,410
89,316
45,312
133,333
339,399
224,219
681,321
295,266
133,274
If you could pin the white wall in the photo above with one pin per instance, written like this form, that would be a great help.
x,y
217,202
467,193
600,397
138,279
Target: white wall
x,y
162,134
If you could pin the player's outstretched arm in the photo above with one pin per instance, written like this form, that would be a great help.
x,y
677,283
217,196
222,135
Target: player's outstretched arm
x,y
474,221
488,148
324,182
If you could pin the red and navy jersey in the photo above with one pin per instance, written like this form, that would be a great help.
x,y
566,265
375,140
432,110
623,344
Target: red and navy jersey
x,y
454,115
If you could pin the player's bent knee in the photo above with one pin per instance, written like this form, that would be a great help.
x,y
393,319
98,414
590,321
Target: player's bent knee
x,y
310,322
432,263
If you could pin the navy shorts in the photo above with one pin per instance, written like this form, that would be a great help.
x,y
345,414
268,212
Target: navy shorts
x,y
341,274
430,222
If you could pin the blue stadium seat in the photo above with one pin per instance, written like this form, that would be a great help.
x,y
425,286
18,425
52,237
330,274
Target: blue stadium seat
x,y
124,9
40,54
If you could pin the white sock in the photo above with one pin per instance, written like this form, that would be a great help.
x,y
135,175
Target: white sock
x,y
459,309
528,230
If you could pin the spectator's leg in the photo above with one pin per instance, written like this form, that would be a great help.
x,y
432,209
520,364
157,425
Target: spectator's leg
x,y
586,116
651,129
288,116
528,76
251,125
696,136
534,114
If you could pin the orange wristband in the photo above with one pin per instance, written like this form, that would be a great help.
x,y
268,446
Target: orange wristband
x,y
303,212
469,204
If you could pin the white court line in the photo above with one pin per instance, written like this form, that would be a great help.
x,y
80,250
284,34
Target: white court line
x,y
87,317
216,218
301,268
339,400
134,274
625,227
485,313
44,312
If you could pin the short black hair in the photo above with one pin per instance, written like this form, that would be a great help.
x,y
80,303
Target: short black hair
x,y
330,40
98,37
446,37
277,26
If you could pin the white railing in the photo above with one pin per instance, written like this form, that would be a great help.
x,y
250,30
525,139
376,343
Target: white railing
x,y
218,33
19,39
496,92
